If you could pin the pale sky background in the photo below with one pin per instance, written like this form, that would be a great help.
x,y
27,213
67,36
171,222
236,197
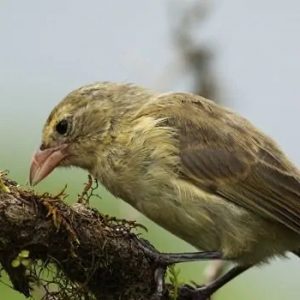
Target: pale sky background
x,y
48,48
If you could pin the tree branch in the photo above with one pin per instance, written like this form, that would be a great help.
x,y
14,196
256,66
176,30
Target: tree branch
x,y
94,256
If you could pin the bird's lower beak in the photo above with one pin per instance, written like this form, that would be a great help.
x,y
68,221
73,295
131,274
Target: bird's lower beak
x,y
45,161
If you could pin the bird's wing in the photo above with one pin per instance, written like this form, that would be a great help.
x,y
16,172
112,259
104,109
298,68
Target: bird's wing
x,y
226,155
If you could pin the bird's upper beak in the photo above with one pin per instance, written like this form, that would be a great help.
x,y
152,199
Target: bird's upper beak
x,y
45,161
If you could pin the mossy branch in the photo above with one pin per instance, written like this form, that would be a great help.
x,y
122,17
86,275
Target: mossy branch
x,y
92,256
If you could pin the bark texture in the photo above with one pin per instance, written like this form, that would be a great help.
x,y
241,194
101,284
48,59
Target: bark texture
x,y
91,256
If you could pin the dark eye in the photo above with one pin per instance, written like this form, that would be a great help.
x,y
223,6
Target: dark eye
x,y
62,127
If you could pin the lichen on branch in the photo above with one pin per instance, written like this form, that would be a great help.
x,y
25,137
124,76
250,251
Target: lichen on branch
x,y
88,255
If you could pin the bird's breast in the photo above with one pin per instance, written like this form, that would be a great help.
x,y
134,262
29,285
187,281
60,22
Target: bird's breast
x,y
141,167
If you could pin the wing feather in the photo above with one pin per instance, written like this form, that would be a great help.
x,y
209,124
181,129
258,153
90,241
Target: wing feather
x,y
226,155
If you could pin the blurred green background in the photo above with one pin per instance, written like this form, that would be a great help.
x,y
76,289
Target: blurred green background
x,y
244,54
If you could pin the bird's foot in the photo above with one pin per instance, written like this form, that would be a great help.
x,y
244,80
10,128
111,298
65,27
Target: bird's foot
x,y
188,292
163,260
166,259
204,292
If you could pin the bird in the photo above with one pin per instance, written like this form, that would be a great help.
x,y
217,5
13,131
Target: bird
x,y
197,169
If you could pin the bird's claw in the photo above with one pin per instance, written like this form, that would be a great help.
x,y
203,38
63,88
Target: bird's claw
x,y
163,260
151,252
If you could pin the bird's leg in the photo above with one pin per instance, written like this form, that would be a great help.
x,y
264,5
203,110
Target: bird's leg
x,y
166,259
163,260
203,293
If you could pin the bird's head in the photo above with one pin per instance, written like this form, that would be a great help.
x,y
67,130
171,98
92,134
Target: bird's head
x,y
80,125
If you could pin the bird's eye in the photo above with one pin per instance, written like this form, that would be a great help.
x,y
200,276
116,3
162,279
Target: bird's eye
x,y
62,127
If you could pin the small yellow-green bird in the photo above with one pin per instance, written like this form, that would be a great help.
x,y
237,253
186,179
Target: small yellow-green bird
x,y
195,168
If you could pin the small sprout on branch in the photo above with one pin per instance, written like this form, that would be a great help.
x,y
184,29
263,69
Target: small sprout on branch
x,y
173,277
22,259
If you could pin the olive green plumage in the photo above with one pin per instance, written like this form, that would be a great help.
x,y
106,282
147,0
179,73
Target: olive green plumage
x,y
197,169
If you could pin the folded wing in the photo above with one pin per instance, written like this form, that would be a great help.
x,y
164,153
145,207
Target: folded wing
x,y
226,155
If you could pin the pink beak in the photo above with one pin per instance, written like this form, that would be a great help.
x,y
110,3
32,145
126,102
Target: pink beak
x,y
45,161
